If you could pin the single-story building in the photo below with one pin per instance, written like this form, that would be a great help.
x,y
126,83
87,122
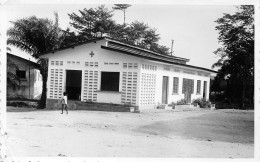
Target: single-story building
x,y
110,71
29,76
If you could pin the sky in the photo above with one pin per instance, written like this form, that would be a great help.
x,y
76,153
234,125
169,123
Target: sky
x,y
192,27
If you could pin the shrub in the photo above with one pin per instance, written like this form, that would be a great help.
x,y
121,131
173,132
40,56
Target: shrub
x,y
172,105
203,103
17,104
22,104
182,102
89,101
22,99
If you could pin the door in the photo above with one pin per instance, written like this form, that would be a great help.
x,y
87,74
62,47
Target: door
x,y
187,89
187,97
73,84
165,90
205,89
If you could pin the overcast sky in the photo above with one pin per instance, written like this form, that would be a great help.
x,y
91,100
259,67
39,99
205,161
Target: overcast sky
x,y
191,26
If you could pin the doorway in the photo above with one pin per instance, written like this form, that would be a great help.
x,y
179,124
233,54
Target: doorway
x,y
187,89
165,90
73,84
205,89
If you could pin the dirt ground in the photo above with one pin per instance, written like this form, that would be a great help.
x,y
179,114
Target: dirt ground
x,y
153,133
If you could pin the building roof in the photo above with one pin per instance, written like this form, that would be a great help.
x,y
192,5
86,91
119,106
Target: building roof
x,y
117,46
143,54
23,59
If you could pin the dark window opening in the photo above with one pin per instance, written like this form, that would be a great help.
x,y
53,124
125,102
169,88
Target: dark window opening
x,y
198,86
21,74
205,90
175,85
110,81
188,86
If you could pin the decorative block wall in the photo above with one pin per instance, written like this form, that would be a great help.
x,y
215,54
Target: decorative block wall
x,y
129,87
149,67
148,85
56,63
73,62
91,64
56,83
130,65
90,85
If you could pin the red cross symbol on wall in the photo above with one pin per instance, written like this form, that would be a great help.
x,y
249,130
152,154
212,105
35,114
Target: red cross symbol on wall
x,y
91,54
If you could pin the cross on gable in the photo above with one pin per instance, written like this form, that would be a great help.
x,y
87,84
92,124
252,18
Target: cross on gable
x,y
91,54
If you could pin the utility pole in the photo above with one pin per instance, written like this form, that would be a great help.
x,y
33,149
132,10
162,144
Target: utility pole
x,y
172,47
29,81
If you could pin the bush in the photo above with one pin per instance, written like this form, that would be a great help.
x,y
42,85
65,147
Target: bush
x,y
17,104
21,99
182,102
22,104
203,103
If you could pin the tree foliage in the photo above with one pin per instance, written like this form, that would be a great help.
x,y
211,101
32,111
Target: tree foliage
x,y
37,36
236,63
94,23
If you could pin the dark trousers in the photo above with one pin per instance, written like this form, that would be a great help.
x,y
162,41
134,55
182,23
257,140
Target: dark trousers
x,y
65,107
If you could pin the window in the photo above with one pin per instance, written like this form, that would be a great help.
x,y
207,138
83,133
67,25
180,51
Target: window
x,y
110,81
175,85
198,86
188,86
21,74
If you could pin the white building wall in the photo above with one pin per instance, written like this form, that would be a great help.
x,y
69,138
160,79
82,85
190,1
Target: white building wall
x,y
102,61
175,71
139,85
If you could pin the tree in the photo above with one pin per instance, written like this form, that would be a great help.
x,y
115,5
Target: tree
x,y
140,34
37,36
93,23
236,34
123,8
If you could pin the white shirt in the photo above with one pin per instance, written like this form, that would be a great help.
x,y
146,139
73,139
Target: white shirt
x,y
65,98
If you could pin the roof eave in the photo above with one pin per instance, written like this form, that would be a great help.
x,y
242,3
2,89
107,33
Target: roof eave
x,y
165,61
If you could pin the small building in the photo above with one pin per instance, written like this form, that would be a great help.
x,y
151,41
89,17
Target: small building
x,y
30,78
109,71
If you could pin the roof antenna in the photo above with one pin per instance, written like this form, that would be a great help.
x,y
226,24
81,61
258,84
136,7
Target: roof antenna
x,y
171,48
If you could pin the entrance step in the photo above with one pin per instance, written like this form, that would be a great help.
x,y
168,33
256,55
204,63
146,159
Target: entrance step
x,y
185,107
102,106
177,107
95,106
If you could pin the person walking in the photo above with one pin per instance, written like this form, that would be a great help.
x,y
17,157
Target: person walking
x,y
64,102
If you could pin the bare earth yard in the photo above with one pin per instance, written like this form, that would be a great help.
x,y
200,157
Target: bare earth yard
x,y
154,133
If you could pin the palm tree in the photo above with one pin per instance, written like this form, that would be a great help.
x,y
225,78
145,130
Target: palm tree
x,y
122,7
37,36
